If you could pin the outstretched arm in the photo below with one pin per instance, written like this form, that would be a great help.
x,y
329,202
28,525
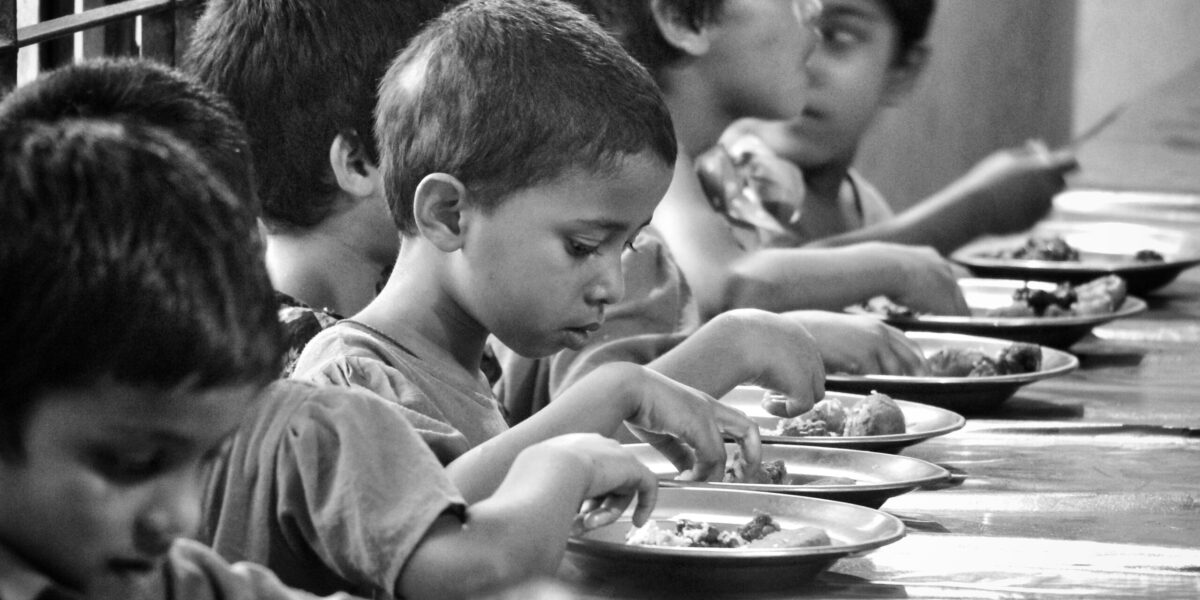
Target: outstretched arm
x,y
724,275
1008,191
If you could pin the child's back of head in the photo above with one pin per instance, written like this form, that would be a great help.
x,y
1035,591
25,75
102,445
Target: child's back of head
x,y
508,95
300,73
149,93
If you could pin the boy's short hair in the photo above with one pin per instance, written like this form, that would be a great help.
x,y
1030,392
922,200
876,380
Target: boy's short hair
x,y
299,73
149,93
506,95
123,258
632,22
912,18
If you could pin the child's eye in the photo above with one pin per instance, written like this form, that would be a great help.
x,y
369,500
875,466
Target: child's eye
x,y
129,466
580,249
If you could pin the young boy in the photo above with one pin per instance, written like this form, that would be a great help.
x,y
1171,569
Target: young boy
x,y
143,334
870,56
302,449
721,60
514,226
302,75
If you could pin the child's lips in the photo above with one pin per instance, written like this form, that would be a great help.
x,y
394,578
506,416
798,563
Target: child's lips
x,y
133,566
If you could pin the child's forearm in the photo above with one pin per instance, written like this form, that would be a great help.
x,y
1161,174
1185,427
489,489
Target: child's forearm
x,y
716,358
517,533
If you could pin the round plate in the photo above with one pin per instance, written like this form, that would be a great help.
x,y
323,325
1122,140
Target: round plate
x,y
1104,248
876,476
921,422
985,294
961,394
602,554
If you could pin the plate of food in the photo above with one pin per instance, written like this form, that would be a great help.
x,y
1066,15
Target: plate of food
x,y
919,421
854,476
1037,312
968,374
709,539
1146,257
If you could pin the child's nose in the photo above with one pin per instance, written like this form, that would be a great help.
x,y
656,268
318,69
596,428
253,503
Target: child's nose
x,y
609,285
173,511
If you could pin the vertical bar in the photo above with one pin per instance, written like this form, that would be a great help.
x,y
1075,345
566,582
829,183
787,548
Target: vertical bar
x,y
158,36
187,12
55,53
8,45
115,39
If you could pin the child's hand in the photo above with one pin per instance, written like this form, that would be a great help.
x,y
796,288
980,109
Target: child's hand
x,y
1014,188
860,345
779,353
614,476
919,278
687,426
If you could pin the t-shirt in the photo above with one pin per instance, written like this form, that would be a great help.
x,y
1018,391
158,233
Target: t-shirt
x,y
191,571
657,312
453,409
330,488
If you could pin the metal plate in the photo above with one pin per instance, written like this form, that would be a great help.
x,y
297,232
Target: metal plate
x,y
986,294
960,394
601,555
1104,247
876,476
921,422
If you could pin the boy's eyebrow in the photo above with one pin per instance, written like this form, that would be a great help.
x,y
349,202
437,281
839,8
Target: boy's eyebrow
x,y
608,224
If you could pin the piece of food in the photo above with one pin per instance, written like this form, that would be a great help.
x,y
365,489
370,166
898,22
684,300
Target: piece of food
x,y
953,362
1148,256
972,362
1053,248
876,414
802,537
761,532
1099,296
768,471
1019,358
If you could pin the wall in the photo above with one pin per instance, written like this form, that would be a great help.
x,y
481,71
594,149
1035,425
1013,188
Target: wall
x,y
1128,46
1006,71
1000,74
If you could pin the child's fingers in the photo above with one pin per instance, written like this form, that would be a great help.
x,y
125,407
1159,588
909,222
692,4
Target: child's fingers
x,y
737,425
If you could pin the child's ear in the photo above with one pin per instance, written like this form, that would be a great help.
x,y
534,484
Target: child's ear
x,y
352,166
678,30
438,207
902,77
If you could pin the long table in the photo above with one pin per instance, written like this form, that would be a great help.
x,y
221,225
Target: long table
x,y
1086,485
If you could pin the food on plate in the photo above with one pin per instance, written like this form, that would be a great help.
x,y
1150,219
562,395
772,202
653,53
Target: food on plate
x,y
877,414
1099,296
1056,249
970,362
768,471
760,532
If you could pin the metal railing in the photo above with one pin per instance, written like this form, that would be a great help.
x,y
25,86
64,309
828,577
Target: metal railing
x,y
107,27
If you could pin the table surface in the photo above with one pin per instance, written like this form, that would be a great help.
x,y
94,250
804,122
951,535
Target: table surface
x,y
1082,485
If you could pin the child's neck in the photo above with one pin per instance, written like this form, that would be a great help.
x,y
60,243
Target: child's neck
x,y
415,300
823,183
322,271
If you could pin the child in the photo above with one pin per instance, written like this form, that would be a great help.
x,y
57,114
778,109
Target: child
x,y
721,60
521,150
870,56
302,75
143,334
415,541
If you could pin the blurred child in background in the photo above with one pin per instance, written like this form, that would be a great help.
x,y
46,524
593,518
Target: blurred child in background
x,y
870,57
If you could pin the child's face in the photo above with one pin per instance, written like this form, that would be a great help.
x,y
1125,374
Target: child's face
x,y
538,270
850,77
757,55
110,476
